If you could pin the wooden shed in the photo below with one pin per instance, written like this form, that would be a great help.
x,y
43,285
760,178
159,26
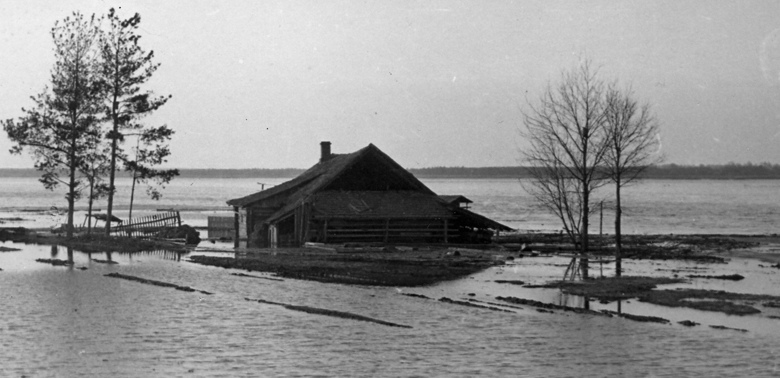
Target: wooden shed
x,y
363,196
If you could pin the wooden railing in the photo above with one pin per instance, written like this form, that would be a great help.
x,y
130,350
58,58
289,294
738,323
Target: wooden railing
x,y
147,226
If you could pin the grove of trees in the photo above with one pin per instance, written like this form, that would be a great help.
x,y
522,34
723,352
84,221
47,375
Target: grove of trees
x,y
585,133
75,130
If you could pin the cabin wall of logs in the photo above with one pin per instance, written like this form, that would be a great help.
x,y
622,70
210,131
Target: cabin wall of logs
x,y
382,230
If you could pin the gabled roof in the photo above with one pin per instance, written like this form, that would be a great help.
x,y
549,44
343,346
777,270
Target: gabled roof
x,y
325,172
473,219
379,205
453,199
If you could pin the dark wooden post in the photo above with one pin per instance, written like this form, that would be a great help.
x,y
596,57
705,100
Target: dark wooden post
x,y
236,225
445,231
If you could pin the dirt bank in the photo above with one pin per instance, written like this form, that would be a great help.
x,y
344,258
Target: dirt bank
x,y
703,247
93,242
643,289
389,268
612,288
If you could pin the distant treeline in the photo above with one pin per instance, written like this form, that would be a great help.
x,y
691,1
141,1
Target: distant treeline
x,y
666,171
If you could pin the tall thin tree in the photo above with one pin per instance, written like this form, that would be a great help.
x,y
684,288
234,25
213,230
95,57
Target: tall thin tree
x,y
568,145
126,67
634,145
62,130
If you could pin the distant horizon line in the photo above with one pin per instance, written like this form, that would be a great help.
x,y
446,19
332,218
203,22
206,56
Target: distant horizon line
x,y
681,165
731,171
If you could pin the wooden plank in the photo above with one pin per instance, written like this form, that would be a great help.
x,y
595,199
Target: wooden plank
x,y
445,231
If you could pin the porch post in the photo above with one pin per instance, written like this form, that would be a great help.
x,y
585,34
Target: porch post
x,y
236,226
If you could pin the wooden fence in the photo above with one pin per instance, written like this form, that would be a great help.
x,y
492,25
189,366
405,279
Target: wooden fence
x,y
222,227
147,226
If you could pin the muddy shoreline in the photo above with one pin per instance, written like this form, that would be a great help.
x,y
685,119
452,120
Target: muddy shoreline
x,y
96,242
397,268
427,264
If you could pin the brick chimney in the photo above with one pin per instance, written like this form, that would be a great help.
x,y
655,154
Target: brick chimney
x,y
324,151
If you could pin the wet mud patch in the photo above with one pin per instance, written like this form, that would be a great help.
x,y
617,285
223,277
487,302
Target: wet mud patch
x,y
415,295
639,318
727,328
728,277
469,304
611,288
105,261
378,269
251,276
9,249
708,300
156,283
657,247
95,242
550,306
326,312
55,262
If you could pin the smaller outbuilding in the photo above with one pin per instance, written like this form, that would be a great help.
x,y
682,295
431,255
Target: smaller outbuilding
x,y
362,197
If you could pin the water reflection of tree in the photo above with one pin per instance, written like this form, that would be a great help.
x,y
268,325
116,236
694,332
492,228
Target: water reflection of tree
x,y
165,254
55,250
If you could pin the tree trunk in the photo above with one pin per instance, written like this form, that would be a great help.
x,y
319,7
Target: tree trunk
x,y
111,187
91,200
71,189
132,194
585,208
112,175
584,234
618,242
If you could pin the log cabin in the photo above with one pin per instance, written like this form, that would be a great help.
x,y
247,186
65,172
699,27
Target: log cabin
x,y
360,197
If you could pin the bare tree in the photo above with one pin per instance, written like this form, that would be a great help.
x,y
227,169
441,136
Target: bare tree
x,y
633,146
569,142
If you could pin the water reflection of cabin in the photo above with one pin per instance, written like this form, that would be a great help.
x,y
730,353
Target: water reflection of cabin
x,y
363,196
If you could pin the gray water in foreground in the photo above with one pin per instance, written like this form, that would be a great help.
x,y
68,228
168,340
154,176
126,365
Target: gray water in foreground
x,y
67,322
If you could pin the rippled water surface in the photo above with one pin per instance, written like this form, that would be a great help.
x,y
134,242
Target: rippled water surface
x,y
63,321
650,206
68,322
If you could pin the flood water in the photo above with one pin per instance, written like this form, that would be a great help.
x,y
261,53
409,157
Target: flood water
x,y
67,322
649,206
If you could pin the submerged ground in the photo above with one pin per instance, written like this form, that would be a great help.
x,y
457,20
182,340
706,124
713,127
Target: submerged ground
x,y
157,314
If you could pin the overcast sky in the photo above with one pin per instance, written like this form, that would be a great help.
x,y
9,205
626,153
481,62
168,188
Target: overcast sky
x,y
258,84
